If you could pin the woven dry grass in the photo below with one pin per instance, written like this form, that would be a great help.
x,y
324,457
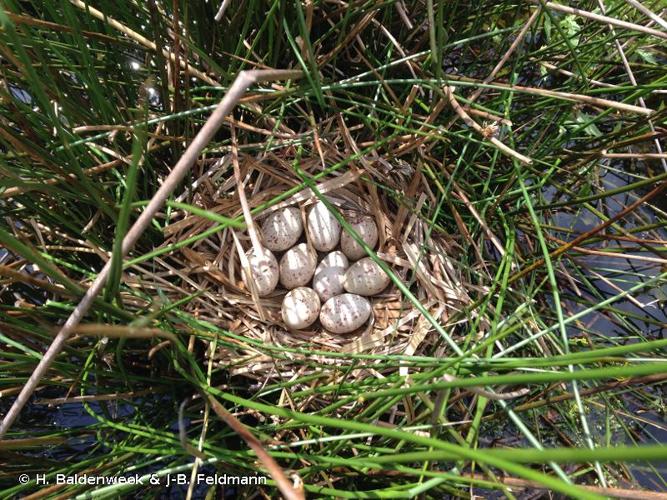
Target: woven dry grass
x,y
422,258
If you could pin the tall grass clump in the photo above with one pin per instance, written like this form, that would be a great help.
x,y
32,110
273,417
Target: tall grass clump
x,y
512,155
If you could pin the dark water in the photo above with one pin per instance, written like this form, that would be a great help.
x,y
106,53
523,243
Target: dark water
x,y
622,273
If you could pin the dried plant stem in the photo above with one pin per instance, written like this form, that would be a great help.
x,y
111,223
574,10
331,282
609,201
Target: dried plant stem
x,y
495,396
285,487
258,249
142,40
403,14
449,91
221,10
183,436
637,156
633,80
607,492
612,255
648,13
593,101
120,331
614,286
603,19
245,269
583,237
517,41
97,169
93,397
245,208
21,277
553,67
235,92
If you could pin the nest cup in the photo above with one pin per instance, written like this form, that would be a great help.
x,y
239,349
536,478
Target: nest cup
x,y
418,256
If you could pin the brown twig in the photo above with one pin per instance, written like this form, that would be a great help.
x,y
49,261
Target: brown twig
x,y
583,237
495,396
116,396
40,23
519,38
566,96
633,80
121,331
648,13
285,487
137,37
603,19
607,492
221,10
201,140
97,169
449,91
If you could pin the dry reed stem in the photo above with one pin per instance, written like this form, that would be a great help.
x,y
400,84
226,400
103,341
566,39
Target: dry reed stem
x,y
370,340
247,216
95,397
648,13
183,436
250,280
252,231
495,396
635,156
603,19
203,137
98,169
494,239
143,41
611,255
488,116
606,492
593,101
614,286
421,330
553,67
285,487
120,331
18,444
29,279
633,81
449,91
31,21
566,96
517,41
583,237
221,10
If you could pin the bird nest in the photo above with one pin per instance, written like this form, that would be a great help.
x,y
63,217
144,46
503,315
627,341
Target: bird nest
x,y
393,194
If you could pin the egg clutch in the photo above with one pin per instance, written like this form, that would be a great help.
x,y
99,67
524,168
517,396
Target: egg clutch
x,y
336,288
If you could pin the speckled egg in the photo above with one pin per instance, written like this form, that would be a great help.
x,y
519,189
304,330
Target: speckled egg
x,y
264,269
323,228
365,277
368,230
345,313
282,229
330,275
334,259
300,308
297,266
